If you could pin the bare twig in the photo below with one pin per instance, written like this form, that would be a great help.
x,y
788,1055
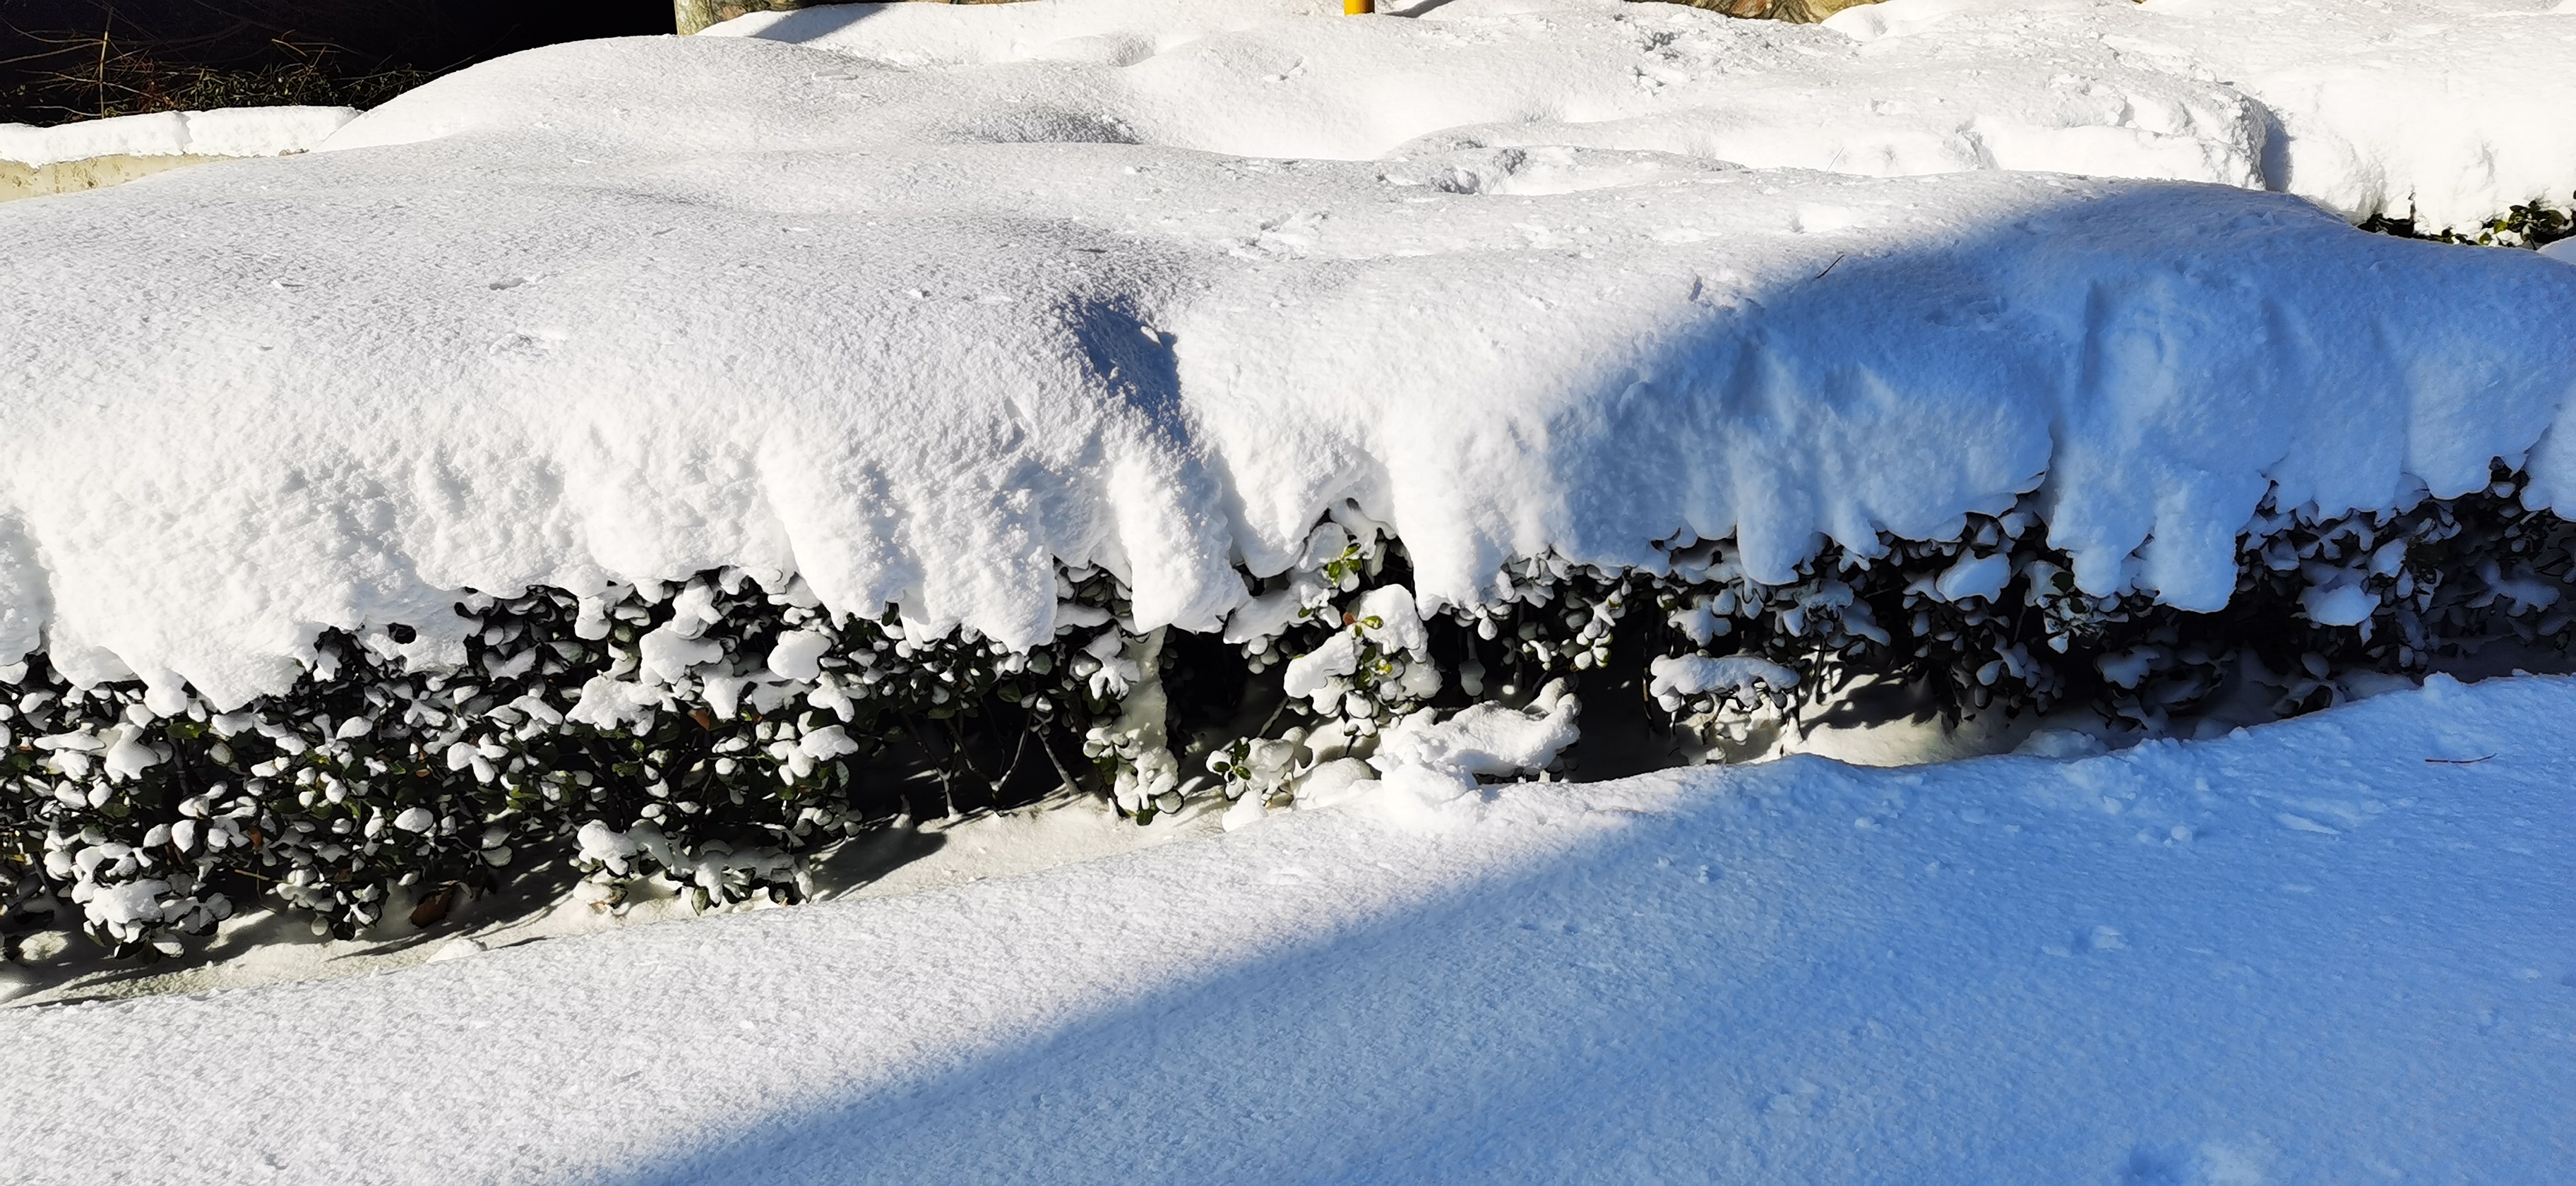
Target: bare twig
x,y
1018,752
1060,772
2458,761
947,793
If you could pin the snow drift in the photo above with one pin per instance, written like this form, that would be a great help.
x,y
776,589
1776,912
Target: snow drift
x,y
943,298
2449,109
231,131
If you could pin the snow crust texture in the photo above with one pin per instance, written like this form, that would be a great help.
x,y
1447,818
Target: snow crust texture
x,y
920,301
2328,950
231,131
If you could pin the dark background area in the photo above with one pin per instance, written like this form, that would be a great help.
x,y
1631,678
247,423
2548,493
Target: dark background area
x,y
82,59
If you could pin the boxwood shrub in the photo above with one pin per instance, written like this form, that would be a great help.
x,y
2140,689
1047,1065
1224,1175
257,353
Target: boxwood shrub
x,y
715,731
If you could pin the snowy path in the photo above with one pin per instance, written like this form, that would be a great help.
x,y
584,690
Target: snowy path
x,y
2304,953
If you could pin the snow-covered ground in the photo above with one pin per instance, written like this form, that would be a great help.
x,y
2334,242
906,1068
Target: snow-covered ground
x,y
268,945
2330,950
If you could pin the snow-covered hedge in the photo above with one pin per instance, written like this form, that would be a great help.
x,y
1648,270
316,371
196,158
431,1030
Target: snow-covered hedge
x,y
2527,224
712,731
705,731
1865,305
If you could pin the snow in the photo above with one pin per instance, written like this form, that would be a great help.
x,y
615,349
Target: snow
x,y
1973,576
920,307
1692,675
231,131
2340,605
2392,107
917,301
1483,740
2446,108
1311,674
2331,949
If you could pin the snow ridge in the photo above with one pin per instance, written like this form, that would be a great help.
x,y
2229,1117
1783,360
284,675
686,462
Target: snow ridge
x,y
232,131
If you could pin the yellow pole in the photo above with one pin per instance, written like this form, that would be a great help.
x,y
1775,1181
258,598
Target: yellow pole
x,y
1358,7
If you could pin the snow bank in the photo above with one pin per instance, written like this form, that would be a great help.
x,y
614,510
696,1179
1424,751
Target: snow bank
x,y
2328,950
2452,109
2442,108
628,310
232,131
